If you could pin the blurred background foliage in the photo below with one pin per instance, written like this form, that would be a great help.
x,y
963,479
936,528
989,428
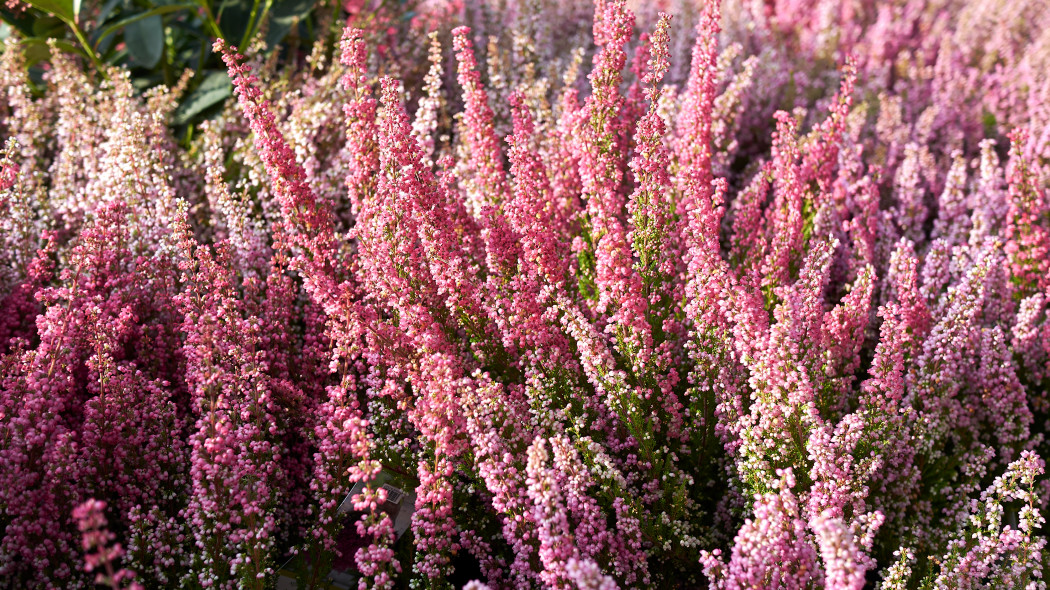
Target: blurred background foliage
x,y
159,40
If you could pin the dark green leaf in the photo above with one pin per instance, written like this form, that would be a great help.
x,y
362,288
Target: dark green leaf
x,y
143,83
36,53
290,8
234,20
214,89
145,40
106,10
21,20
48,26
283,16
140,17
63,9
36,49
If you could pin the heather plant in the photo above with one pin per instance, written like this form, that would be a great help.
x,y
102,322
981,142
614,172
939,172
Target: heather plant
x,y
92,523
741,295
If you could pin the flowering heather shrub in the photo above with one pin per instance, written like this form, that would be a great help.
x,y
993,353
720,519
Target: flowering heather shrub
x,y
760,298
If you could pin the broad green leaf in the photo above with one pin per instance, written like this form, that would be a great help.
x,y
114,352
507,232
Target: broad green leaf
x,y
233,19
48,26
23,21
106,11
36,49
145,40
290,8
63,9
214,89
283,16
141,16
35,53
278,28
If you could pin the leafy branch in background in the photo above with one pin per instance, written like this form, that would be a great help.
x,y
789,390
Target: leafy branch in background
x,y
156,40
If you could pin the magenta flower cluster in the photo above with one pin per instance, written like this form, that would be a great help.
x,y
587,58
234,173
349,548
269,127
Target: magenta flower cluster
x,y
759,299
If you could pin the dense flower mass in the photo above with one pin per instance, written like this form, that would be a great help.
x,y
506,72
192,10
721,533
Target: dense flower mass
x,y
759,298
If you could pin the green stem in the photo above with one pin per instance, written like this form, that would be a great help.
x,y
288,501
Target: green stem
x,y
166,58
253,22
87,47
209,20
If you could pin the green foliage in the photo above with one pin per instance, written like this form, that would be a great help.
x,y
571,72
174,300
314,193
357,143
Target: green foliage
x,y
214,88
158,40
